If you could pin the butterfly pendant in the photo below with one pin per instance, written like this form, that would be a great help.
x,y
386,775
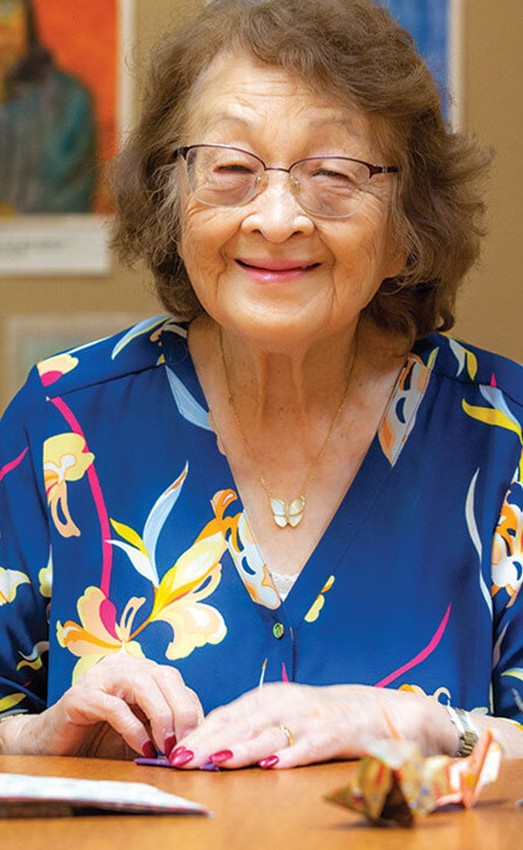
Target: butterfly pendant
x,y
287,513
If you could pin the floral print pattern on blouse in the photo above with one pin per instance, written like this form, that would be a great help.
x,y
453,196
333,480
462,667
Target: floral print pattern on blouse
x,y
122,531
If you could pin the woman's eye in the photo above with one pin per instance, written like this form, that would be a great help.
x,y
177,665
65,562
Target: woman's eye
x,y
328,173
233,168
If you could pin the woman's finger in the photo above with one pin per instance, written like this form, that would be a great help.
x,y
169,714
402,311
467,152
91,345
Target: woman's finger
x,y
73,725
146,704
250,751
301,740
172,710
312,742
250,727
181,713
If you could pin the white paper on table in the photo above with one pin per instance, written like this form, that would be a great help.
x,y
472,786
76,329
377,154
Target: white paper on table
x,y
52,796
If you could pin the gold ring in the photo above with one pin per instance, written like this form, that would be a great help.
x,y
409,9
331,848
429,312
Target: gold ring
x,y
288,734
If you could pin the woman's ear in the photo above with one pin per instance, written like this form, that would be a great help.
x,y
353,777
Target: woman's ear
x,y
397,253
397,263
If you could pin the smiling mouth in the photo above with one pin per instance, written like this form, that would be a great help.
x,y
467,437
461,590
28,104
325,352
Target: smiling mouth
x,y
277,265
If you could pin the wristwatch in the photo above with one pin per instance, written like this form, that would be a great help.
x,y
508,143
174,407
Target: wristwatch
x,y
468,734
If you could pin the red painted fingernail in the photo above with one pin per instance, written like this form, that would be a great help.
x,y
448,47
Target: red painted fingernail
x,y
180,757
149,750
221,755
169,744
177,751
270,761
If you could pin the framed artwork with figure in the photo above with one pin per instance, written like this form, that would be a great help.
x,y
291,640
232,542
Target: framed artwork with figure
x,y
64,101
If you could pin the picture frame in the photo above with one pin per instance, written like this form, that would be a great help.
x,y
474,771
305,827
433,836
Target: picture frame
x,y
31,337
88,53
437,29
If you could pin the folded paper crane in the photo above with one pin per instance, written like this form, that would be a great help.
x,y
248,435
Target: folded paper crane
x,y
394,783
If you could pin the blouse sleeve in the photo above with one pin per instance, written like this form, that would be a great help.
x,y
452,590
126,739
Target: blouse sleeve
x,y
25,557
507,592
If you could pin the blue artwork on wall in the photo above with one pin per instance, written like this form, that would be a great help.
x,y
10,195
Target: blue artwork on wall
x,y
428,21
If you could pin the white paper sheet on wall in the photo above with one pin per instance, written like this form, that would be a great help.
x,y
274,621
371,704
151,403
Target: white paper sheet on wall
x,y
47,245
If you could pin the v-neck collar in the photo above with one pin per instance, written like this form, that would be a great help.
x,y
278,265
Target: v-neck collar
x,y
333,548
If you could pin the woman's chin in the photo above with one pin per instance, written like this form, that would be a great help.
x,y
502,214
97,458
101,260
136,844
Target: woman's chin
x,y
280,332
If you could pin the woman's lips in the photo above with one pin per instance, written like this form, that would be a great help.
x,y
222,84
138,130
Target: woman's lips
x,y
276,271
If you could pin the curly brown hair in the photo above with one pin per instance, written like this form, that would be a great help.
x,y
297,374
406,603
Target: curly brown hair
x,y
354,52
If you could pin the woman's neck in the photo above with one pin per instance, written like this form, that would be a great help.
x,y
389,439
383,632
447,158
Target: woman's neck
x,y
272,383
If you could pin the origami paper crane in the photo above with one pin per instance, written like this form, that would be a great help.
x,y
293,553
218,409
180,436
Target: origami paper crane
x,y
395,783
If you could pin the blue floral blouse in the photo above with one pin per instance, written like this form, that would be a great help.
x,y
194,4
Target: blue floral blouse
x,y
122,531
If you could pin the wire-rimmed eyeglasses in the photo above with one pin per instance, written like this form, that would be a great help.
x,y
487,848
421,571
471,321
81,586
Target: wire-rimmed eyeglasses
x,y
327,186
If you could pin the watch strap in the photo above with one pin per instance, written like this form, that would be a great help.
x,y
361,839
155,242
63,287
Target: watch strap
x,y
468,734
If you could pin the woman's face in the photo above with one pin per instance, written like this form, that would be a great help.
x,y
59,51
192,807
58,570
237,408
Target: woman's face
x,y
13,33
268,270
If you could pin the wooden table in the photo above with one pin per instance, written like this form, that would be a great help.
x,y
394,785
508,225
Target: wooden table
x,y
254,809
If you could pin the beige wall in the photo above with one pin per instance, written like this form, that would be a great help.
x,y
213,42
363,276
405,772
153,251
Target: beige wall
x,y
491,305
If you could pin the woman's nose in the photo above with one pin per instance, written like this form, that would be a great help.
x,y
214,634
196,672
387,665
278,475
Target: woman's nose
x,y
274,211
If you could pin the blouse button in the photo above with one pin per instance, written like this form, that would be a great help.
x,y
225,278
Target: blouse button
x,y
278,630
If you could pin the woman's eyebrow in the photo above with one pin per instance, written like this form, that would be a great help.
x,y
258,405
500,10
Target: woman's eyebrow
x,y
216,119
229,118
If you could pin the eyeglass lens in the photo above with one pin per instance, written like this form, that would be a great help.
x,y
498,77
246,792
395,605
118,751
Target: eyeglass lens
x,y
328,186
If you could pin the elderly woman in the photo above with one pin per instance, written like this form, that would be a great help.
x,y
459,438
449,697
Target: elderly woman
x,y
287,520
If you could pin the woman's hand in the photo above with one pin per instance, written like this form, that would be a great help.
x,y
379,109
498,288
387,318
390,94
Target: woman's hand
x,y
120,707
285,725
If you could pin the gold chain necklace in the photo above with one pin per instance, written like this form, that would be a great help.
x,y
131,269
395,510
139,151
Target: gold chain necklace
x,y
287,513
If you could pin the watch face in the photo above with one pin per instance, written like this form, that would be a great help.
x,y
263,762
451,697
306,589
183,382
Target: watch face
x,y
468,735
467,742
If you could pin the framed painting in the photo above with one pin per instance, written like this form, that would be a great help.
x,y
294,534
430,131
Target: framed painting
x,y
436,26
64,103
29,338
